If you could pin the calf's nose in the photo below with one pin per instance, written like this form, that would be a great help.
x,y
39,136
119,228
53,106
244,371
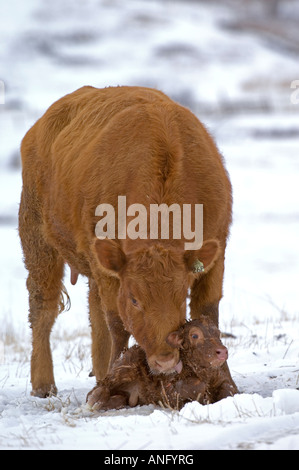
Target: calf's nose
x,y
222,354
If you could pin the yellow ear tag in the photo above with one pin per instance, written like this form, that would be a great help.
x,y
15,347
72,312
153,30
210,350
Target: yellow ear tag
x,y
198,266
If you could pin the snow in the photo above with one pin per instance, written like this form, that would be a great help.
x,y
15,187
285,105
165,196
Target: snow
x,y
239,84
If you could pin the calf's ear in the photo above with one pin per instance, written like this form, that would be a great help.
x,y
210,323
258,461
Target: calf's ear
x,y
199,261
110,254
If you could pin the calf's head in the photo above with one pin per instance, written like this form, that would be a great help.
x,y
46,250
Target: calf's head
x,y
152,296
200,344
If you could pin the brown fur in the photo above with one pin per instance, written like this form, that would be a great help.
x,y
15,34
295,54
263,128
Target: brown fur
x,y
89,147
130,382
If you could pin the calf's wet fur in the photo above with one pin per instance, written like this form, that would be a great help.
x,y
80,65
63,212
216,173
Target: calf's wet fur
x,y
202,377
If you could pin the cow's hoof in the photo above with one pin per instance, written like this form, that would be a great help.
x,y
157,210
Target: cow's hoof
x,y
44,391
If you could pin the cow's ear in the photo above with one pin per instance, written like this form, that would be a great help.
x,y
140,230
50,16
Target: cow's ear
x,y
200,261
175,339
110,254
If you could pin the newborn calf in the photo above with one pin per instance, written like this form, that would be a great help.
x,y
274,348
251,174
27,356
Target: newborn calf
x,y
200,375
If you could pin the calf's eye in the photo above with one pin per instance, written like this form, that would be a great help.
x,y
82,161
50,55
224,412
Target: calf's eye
x,y
134,302
194,336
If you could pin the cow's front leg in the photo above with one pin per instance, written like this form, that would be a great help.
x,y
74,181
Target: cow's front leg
x,y
101,339
206,294
119,336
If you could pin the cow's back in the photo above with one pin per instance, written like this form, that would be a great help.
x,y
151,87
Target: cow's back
x,y
95,144
74,120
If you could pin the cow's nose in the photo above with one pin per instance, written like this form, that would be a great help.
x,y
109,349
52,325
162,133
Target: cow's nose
x,y
165,363
164,366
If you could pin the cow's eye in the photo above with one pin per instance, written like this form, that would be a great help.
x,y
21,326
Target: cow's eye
x,y
195,336
134,302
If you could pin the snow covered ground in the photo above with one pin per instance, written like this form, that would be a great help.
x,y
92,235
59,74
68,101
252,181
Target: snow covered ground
x,y
238,83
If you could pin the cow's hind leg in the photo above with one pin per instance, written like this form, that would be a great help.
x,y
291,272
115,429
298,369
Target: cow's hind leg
x,y
44,284
45,303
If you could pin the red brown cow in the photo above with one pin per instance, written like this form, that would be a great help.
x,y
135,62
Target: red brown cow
x,y
90,147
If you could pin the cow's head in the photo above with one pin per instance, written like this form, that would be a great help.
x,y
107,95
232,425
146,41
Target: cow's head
x,y
154,284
